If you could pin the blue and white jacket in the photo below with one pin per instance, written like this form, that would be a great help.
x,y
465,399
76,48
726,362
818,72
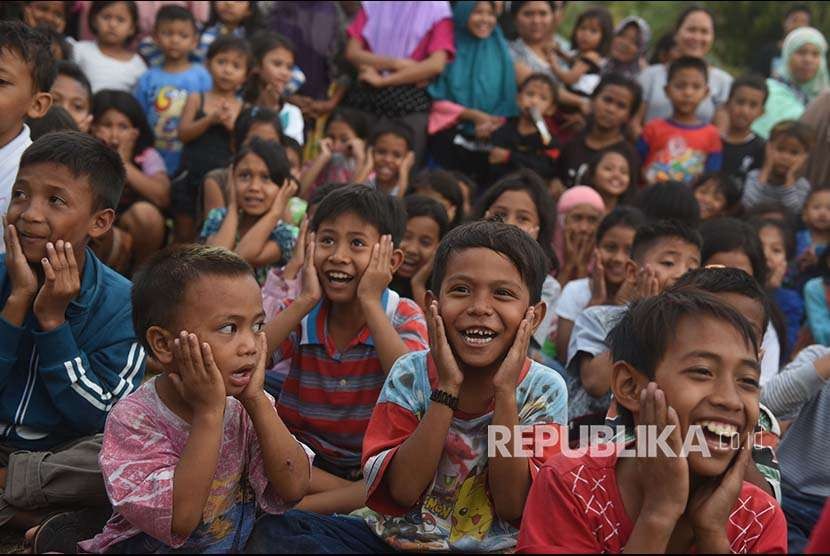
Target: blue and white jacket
x,y
58,386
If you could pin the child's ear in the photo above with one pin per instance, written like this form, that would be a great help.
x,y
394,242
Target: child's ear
x,y
100,223
626,384
539,312
397,259
161,344
40,105
630,271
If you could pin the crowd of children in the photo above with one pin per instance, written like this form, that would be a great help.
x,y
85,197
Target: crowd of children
x,y
267,296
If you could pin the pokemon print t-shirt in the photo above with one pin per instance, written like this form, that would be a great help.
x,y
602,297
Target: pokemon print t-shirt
x,y
456,512
677,152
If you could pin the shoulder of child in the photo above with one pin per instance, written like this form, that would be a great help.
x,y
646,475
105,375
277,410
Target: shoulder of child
x,y
757,524
409,374
542,396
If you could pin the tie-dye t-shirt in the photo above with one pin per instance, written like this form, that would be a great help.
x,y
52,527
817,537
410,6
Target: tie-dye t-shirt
x,y
143,441
456,512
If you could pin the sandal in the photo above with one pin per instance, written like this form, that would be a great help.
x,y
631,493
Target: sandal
x,y
61,532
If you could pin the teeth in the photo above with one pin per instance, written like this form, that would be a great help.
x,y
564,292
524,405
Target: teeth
x,y
479,335
721,429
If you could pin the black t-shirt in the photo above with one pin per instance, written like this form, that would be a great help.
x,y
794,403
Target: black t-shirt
x,y
577,156
740,158
526,151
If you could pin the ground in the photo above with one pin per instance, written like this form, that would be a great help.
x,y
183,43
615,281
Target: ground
x,y
11,541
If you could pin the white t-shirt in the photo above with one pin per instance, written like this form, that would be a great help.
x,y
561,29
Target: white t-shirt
x,y
291,118
575,297
105,72
10,154
772,354
550,295
653,81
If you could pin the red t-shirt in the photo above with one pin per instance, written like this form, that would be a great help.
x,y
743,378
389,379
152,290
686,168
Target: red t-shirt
x,y
574,506
440,37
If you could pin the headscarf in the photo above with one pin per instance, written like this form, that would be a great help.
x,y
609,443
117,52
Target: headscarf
x,y
395,29
570,199
481,76
795,40
631,69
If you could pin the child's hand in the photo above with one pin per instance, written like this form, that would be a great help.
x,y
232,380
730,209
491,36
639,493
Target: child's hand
x,y
407,163
197,379
507,377
648,283
311,290
298,256
499,155
485,126
62,282
357,149
795,169
255,388
325,147
226,116
599,291
450,376
378,274
284,193
807,259
424,272
22,277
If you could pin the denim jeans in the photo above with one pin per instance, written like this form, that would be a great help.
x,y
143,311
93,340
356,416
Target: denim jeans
x,y
802,511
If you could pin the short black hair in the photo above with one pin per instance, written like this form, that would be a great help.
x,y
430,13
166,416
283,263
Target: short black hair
x,y
750,81
669,200
321,191
606,23
545,79
82,155
352,118
722,235
661,48
650,234
641,336
160,284
688,62
291,144
418,205
445,184
126,104
271,153
34,48
794,129
621,216
729,186
230,43
385,212
392,127
620,80
174,12
74,72
783,227
253,115
55,119
58,39
509,241
99,5
726,280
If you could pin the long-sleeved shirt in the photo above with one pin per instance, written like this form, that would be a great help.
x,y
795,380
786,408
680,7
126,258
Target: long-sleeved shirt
x,y
818,313
792,197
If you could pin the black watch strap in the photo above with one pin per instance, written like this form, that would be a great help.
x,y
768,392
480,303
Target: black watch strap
x,y
445,398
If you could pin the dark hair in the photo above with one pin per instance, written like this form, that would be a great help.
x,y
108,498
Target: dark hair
x,y
254,115
74,72
729,186
722,235
545,79
125,103
799,131
99,5
621,80
384,212
418,205
606,24
590,176
263,42
174,12
751,81
291,144
726,280
525,254
351,118
392,127
688,62
787,235
669,200
621,216
83,155
529,182
271,153
34,48
641,336
250,25
56,38
160,284
230,43
649,235
662,47
516,7
764,208
55,119
445,184
320,192
795,8
681,19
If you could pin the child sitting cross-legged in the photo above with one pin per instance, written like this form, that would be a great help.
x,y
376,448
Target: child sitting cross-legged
x,y
431,483
190,456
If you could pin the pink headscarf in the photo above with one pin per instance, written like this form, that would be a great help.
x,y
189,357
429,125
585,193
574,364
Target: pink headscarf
x,y
570,199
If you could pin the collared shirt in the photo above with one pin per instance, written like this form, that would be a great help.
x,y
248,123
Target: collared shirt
x,y
10,154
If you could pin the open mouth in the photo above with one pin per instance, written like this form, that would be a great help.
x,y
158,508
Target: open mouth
x,y
720,435
478,335
241,377
338,278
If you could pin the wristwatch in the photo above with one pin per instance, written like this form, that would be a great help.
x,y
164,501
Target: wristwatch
x,y
445,398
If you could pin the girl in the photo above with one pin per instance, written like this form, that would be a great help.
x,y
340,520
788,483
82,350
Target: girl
x,y
390,159
628,48
610,175
591,39
615,237
342,152
522,200
718,195
258,190
443,187
812,242
205,129
139,231
108,61
227,18
579,212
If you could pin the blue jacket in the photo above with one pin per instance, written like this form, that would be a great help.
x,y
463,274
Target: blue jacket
x,y
58,386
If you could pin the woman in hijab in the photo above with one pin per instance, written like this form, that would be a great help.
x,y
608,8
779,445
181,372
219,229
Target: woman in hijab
x,y
803,77
631,38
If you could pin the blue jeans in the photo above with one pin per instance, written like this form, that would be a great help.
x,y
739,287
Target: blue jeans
x,y
802,511
298,532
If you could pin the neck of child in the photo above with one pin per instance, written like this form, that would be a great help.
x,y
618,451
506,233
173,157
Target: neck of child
x,y
737,136
686,119
222,93
526,125
10,135
477,392
820,237
265,100
112,50
609,200
176,66
598,138
228,28
387,186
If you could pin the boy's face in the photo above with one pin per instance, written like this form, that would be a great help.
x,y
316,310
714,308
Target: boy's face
x,y
517,209
615,251
612,107
538,95
388,152
686,91
482,301
228,70
73,97
784,153
255,191
419,244
670,257
745,106
711,200
48,14
817,211
18,97
176,38
114,24
276,67
49,203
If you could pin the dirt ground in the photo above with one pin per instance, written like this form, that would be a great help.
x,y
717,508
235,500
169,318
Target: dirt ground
x,y
11,541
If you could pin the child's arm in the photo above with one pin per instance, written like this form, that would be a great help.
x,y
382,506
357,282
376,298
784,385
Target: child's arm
x,y
365,170
23,285
358,56
403,174
255,246
409,74
797,383
189,127
310,174
571,76
225,236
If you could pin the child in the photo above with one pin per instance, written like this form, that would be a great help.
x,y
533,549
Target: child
x,y
205,129
591,40
626,55
72,91
610,174
258,190
349,330
163,90
681,147
294,152
108,62
743,151
227,18
518,143
190,456
342,152
579,212
390,159
615,237
51,15
812,241
615,101
669,200
432,485
444,188
718,194
69,351
118,121
29,72
426,224
688,360
778,180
